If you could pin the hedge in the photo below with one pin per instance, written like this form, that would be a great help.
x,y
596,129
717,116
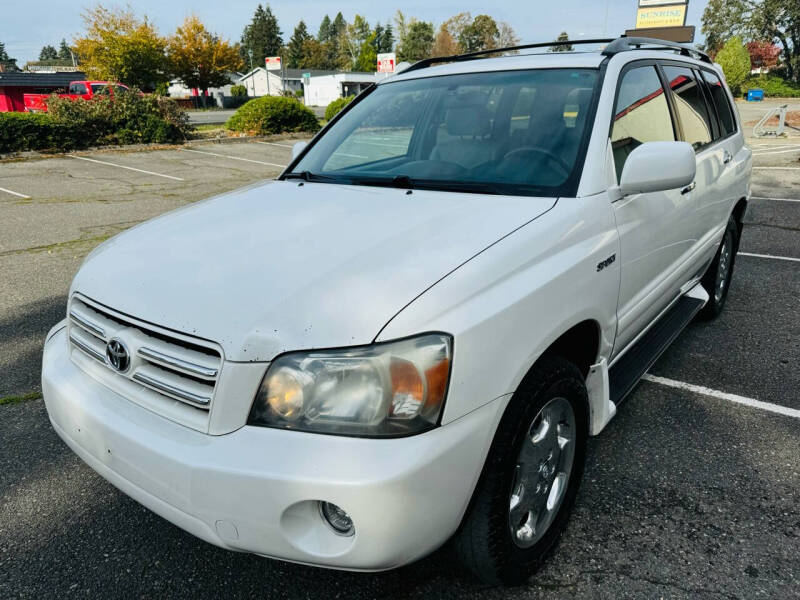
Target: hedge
x,y
774,87
336,106
36,131
273,114
127,118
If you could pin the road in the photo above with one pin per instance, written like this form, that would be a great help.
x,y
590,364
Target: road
x,y
218,117
686,494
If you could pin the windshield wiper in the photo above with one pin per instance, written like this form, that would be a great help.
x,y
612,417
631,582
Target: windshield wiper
x,y
309,176
398,181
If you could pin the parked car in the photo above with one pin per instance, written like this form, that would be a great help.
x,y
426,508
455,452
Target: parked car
x,y
77,89
409,336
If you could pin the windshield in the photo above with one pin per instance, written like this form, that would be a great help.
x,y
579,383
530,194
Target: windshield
x,y
510,132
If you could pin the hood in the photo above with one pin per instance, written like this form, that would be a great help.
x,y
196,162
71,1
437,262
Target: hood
x,y
281,266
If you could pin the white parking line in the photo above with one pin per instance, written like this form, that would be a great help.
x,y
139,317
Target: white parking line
x,y
768,256
775,199
102,162
779,168
273,144
771,152
704,391
250,160
14,193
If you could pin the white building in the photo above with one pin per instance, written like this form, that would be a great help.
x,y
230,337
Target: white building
x,y
324,89
177,89
320,89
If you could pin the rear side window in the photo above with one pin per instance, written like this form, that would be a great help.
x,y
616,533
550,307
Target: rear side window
x,y
641,114
720,98
691,106
77,88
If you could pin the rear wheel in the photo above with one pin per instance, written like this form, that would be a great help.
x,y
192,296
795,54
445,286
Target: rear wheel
x,y
531,476
717,280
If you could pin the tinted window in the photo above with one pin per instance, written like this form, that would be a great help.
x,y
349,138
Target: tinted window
x,y
691,106
77,88
720,98
641,114
512,132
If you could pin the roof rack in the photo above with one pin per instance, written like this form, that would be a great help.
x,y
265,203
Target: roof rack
x,y
427,62
625,44
615,46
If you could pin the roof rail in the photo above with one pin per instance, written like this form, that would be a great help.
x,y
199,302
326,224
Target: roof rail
x,y
427,62
624,44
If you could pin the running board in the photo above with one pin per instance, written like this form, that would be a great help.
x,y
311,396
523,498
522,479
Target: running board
x,y
628,370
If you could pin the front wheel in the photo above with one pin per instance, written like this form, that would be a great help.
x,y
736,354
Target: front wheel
x,y
717,279
531,476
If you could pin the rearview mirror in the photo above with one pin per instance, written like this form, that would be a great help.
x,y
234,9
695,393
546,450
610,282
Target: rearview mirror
x,y
298,148
658,166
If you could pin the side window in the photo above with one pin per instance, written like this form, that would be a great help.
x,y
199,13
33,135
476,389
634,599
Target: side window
x,y
641,114
720,98
691,106
77,88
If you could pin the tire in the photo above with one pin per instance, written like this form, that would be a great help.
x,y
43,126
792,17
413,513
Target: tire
x,y
492,545
717,279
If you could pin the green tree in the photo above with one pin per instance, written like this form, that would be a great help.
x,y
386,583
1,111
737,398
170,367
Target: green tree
x,y
315,55
64,52
772,20
48,53
481,34
199,58
356,40
261,38
324,34
417,43
119,46
295,48
384,38
735,61
6,62
562,37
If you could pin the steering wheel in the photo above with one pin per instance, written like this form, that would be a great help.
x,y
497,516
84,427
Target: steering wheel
x,y
562,164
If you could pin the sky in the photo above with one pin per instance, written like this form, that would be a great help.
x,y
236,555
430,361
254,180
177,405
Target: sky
x,y
25,31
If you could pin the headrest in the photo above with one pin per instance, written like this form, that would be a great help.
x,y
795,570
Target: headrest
x,y
468,120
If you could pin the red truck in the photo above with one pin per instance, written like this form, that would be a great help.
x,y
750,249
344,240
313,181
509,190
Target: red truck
x,y
77,89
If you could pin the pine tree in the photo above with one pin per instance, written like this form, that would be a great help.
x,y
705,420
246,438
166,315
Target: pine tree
x,y
48,53
387,39
324,30
6,62
295,49
261,38
64,52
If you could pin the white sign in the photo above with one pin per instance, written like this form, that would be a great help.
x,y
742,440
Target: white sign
x,y
386,62
273,63
661,2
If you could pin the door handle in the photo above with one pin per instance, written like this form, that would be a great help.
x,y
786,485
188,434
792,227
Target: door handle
x,y
689,188
727,157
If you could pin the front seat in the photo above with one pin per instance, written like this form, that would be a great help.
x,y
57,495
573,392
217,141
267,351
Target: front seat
x,y
468,127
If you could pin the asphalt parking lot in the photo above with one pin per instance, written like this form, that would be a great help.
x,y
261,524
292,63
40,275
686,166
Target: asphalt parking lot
x,y
688,493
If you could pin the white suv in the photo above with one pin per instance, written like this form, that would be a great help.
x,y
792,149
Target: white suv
x,y
410,335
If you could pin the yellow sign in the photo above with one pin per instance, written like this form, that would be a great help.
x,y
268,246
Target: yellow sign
x,y
661,16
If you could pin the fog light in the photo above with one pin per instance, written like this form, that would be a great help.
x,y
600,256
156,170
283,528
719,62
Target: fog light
x,y
336,518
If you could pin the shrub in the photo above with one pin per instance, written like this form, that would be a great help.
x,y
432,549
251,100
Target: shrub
x,y
35,131
774,87
125,118
162,89
273,114
336,106
238,91
735,61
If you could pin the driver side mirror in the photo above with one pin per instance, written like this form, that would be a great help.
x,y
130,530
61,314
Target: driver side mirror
x,y
657,167
298,148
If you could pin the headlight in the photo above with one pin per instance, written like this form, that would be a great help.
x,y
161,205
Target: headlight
x,y
383,390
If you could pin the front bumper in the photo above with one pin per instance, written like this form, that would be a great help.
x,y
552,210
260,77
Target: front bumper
x,y
256,489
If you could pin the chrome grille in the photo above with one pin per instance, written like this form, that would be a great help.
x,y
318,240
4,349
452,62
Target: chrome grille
x,y
175,366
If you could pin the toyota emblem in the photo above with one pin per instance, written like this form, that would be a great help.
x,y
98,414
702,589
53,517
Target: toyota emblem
x,y
117,356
